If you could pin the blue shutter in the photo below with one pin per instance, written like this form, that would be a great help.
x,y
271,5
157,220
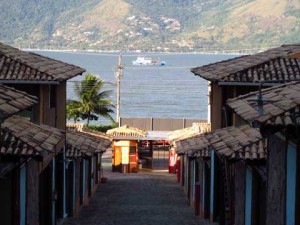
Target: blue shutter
x,y
53,190
291,185
212,182
203,188
248,202
83,179
64,184
92,173
22,195
74,184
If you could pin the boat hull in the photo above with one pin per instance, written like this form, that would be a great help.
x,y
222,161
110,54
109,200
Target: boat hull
x,y
143,61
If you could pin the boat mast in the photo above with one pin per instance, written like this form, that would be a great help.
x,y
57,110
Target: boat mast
x,y
118,75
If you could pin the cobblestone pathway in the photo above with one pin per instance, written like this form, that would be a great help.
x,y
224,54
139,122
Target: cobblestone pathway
x,y
137,199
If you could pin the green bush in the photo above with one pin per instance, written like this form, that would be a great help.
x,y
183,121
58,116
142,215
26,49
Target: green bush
x,y
102,128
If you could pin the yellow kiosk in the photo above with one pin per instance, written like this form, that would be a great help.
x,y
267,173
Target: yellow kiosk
x,y
125,156
125,148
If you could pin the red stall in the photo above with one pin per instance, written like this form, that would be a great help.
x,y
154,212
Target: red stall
x,y
172,160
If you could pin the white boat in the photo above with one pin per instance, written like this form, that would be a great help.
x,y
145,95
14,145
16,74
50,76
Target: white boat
x,y
147,61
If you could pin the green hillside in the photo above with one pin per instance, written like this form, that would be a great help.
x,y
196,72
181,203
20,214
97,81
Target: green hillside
x,y
169,25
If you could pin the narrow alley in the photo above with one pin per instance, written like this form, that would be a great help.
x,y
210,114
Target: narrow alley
x,y
144,198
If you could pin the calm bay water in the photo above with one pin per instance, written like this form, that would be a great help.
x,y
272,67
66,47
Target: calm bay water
x,y
170,91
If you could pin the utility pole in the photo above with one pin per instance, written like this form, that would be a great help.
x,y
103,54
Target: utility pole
x,y
118,75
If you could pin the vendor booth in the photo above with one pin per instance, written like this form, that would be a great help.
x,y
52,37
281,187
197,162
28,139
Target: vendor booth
x,y
124,157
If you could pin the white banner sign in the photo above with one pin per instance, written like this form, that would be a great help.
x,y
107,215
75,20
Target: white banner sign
x,y
125,155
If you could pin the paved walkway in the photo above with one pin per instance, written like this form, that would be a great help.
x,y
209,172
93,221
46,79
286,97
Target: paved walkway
x,y
137,199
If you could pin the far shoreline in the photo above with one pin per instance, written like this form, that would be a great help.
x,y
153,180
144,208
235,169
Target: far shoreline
x,y
135,53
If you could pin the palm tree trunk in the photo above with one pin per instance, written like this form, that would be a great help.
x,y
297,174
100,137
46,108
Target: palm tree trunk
x,y
88,119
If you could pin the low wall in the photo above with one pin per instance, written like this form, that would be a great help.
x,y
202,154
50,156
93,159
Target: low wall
x,y
159,124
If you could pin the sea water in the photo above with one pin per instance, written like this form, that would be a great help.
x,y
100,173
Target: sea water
x,y
170,91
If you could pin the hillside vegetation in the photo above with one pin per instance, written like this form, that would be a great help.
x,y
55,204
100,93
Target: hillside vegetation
x,y
156,25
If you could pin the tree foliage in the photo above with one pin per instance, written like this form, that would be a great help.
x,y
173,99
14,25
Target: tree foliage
x,y
93,100
64,24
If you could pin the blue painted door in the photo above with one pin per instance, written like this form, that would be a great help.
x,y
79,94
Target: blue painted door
x,y
22,195
83,179
193,182
92,173
248,201
291,184
203,187
212,183
187,165
64,185
53,191
74,184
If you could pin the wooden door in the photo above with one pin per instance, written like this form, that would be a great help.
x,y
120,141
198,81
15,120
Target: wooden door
x,y
6,195
45,196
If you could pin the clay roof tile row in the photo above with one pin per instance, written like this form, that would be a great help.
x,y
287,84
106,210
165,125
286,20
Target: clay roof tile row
x,y
197,128
268,66
126,131
21,137
242,142
26,66
85,143
281,106
11,145
12,101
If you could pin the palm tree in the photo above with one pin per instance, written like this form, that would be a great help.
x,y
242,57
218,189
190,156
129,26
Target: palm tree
x,y
73,110
92,101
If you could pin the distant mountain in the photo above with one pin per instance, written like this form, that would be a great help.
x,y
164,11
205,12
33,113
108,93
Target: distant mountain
x,y
156,25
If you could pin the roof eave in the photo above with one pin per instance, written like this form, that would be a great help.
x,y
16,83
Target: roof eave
x,y
78,74
255,84
52,82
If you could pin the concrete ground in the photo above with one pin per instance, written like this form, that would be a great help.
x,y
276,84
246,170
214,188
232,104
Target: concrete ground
x,y
145,198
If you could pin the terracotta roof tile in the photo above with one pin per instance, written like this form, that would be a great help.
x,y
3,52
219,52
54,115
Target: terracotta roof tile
x,y
26,66
80,143
81,128
38,137
197,128
75,126
198,143
126,131
97,133
73,152
242,142
269,66
13,101
11,145
281,106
